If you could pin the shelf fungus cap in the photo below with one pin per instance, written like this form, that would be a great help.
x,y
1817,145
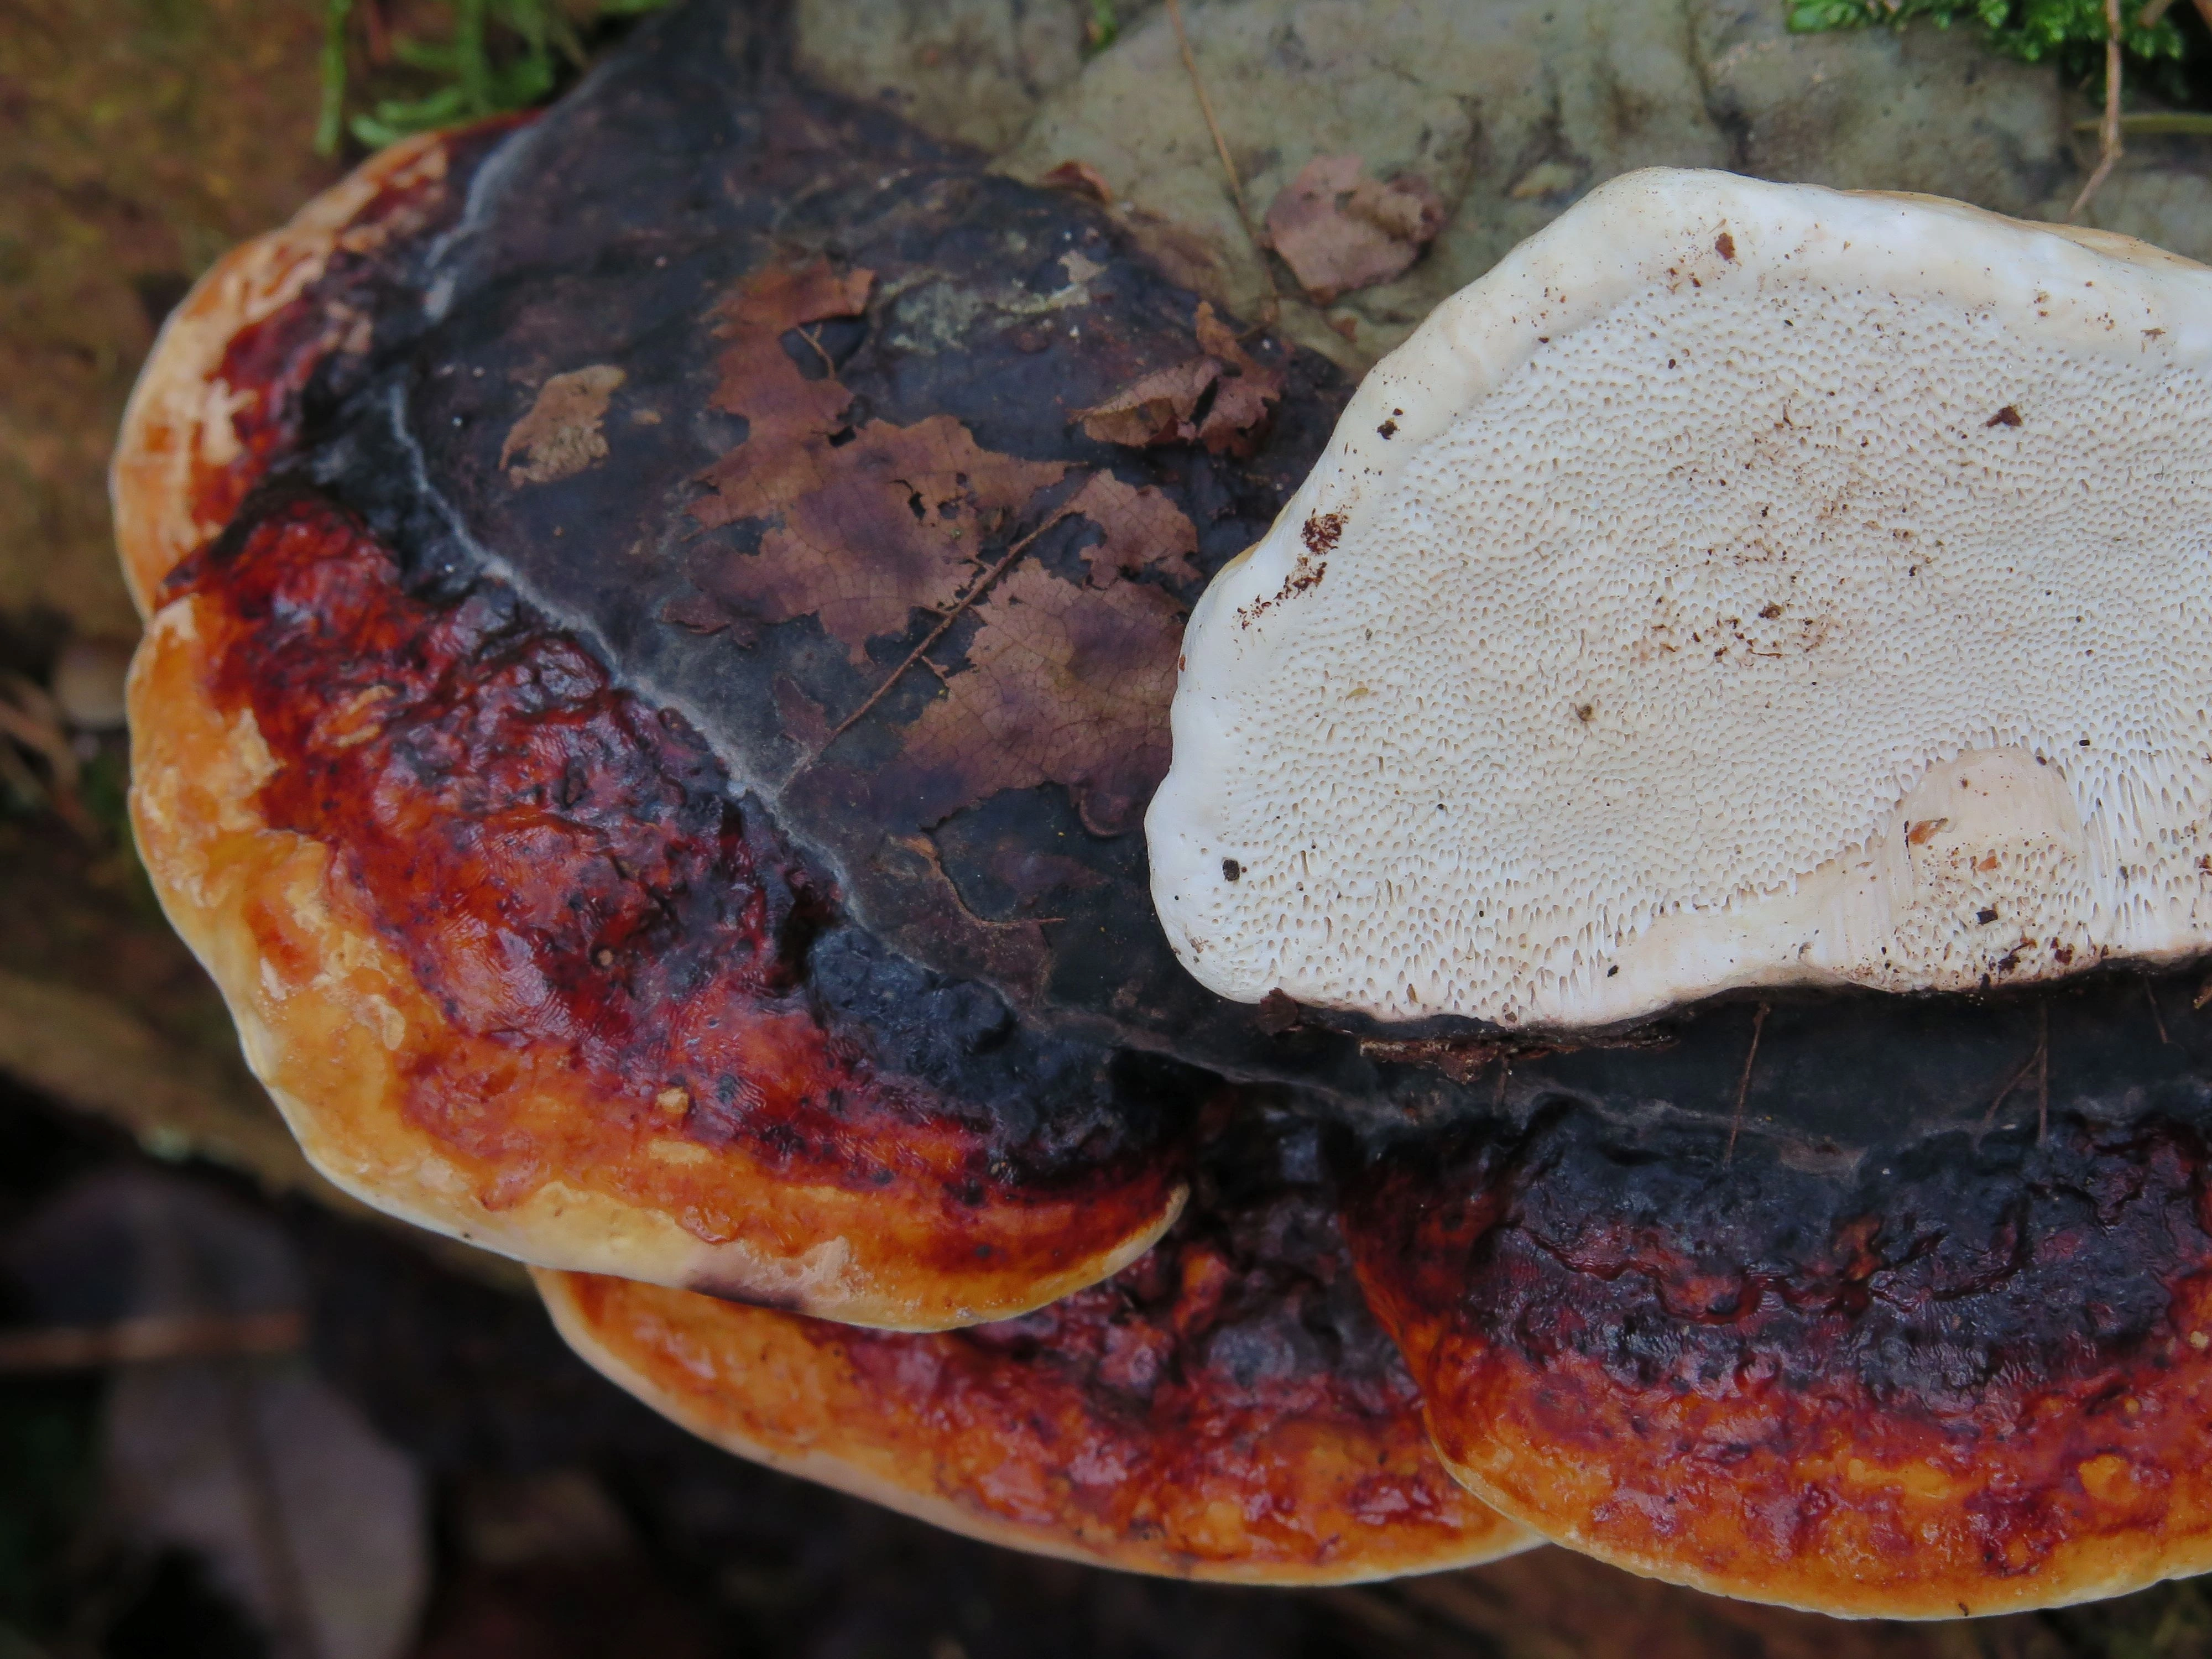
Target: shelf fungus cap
x,y
1743,584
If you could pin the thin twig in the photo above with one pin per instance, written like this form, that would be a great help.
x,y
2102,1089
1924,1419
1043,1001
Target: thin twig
x,y
2148,17
2019,1076
2042,1071
1229,167
2157,1017
153,1337
813,338
2157,123
1743,1084
2108,141
379,35
31,719
2039,1059
1505,1074
938,633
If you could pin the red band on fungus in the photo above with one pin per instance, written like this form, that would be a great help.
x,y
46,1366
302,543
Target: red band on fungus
x,y
615,946
1224,1407
1979,1380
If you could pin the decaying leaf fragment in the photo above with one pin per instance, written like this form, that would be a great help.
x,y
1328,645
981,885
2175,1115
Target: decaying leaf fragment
x,y
560,436
1237,420
868,532
1081,178
1172,406
865,531
1157,410
1142,526
1338,229
1065,684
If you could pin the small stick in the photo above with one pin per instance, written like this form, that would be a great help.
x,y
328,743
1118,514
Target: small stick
x,y
2012,1083
2039,1063
379,37
2108,142
1221,148
2148,17
937,632
1505,1073
813,338
153,1337
1743,1084
2042,1071
2151,997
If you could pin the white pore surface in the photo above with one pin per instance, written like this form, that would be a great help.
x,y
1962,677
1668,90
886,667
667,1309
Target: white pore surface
x,y
1707,621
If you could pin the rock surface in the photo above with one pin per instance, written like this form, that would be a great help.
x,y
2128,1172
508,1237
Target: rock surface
x,y
1512,109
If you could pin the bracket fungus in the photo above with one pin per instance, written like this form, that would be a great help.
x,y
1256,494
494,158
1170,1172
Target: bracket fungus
x,y
1741,585
663,619
1223,1408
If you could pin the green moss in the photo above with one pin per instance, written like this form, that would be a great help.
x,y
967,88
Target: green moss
x,y
2029,29
497,55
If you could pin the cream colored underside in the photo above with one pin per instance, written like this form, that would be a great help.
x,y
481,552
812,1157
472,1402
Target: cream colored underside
x,y
1743,585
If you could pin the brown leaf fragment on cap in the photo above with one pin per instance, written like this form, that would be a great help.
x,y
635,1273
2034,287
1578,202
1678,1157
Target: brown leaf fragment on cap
x,y
1162,407
1156,410
755,377
868,532
1065,684
1339,230
1081,178
805,721
1237,420
1143,527
696,613
560,436
863,532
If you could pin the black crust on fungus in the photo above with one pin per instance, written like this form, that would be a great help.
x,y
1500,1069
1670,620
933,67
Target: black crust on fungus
x,y
686,163
1938,1277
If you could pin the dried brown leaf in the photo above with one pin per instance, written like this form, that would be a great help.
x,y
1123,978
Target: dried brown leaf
x,y
1143,527
1066,685
755,376
868,532
860,533
1162,407
1157,410
560,436
1082,179
1338,229
1237,419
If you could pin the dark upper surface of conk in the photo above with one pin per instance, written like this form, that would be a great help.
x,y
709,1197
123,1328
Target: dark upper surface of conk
x,y
749,387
